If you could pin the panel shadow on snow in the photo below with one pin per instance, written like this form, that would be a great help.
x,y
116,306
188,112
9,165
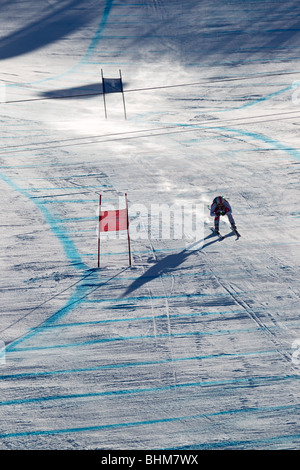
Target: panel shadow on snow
x,y
79,92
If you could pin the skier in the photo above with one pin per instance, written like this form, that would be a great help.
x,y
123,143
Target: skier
x,y
222,207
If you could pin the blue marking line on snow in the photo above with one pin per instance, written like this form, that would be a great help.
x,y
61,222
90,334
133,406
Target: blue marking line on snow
x,y
97,36
242,444
265,98
268,140
67,187
293,152
68,201
237,313
49,178
263,409
146,318
77,219
28,375
68,245
69,249
139,337
141,298
255,381
78,297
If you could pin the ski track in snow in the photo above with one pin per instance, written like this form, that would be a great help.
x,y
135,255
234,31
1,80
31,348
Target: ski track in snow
x,y
188,349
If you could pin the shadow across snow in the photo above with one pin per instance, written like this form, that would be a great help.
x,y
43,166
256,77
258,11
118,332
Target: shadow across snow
x,y
169,263
229,32
84,91
46,28
79,92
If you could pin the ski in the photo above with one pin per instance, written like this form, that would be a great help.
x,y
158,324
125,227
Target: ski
x,y
216,232
221,237
237,233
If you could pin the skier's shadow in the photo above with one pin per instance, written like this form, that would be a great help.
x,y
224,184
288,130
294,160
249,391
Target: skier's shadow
x,y
168,263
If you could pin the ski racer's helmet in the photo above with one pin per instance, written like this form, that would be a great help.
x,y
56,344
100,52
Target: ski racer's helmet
x,y
219,200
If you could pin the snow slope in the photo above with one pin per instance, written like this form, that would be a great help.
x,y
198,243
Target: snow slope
x,y
195,345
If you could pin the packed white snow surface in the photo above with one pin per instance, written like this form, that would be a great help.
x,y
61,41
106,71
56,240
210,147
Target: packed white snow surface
x,y
196,345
